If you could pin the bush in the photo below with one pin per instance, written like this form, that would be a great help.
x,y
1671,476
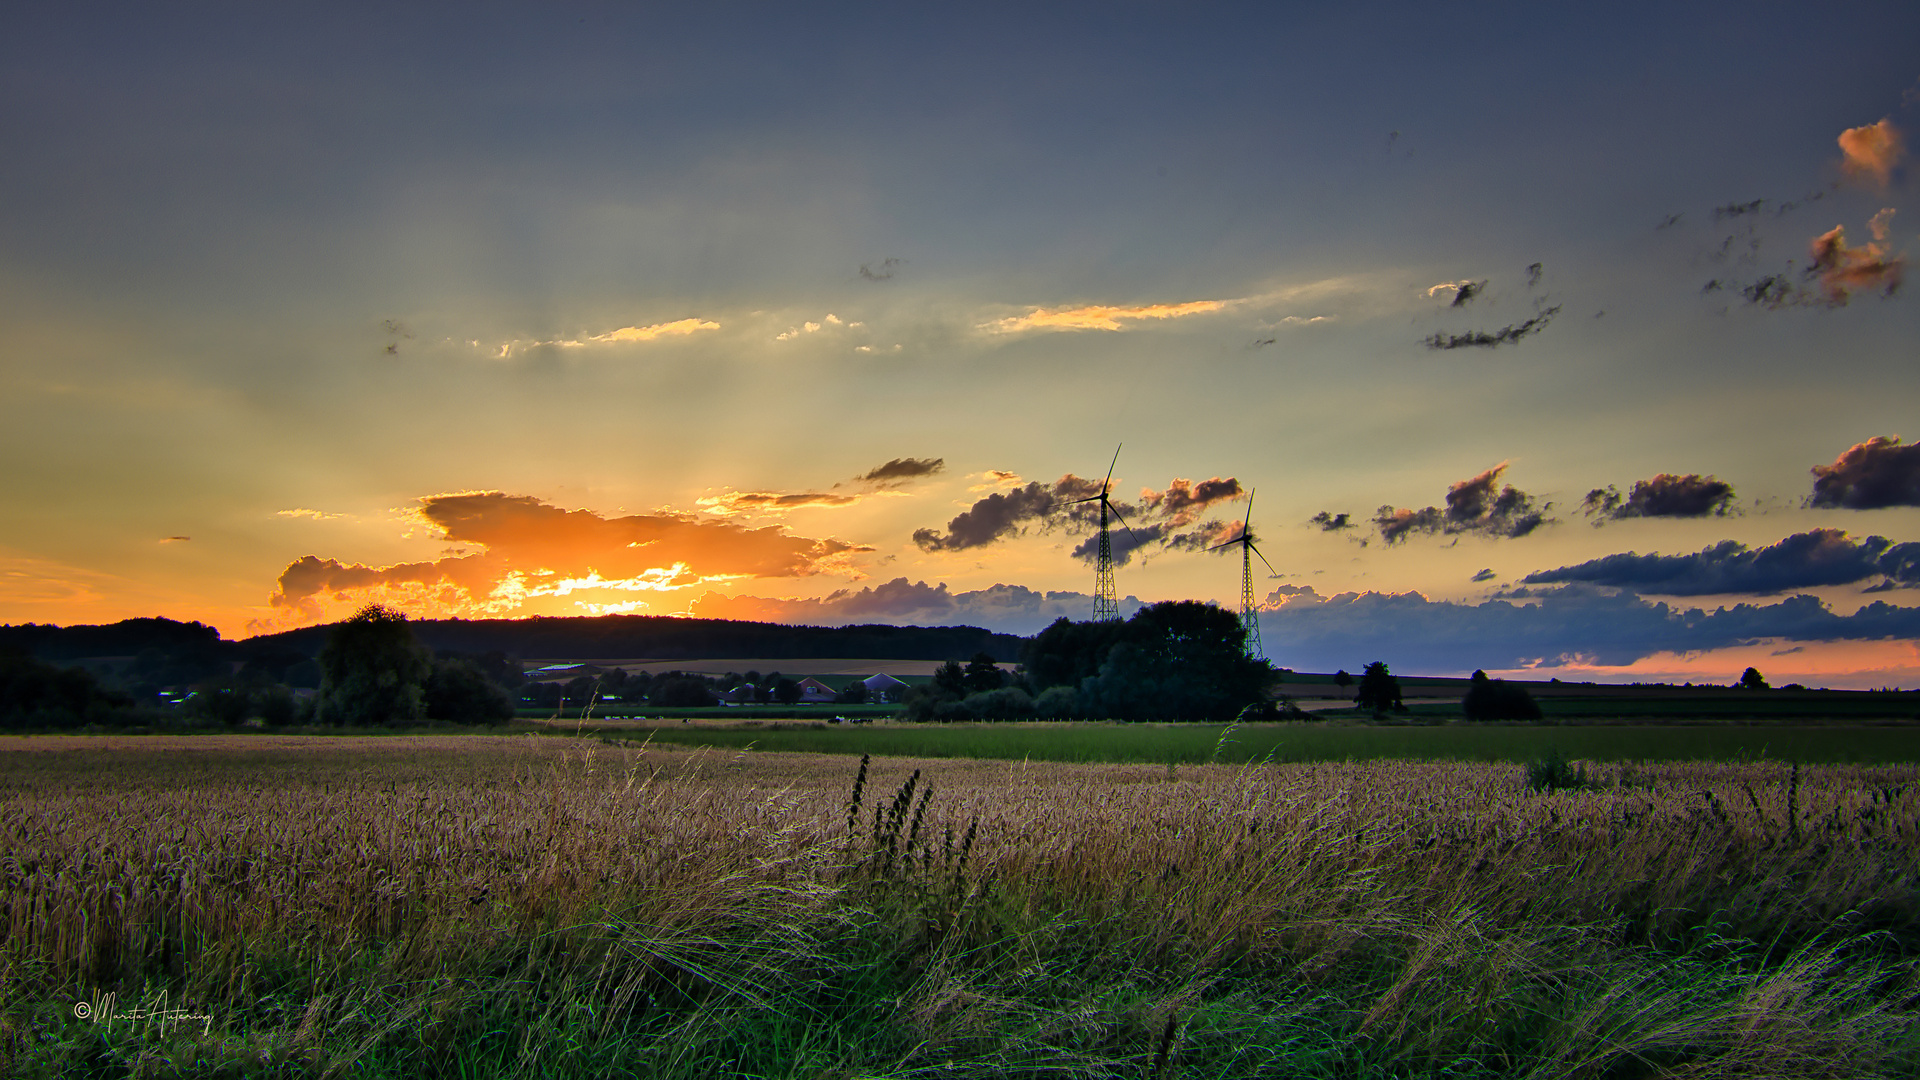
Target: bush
x,y
1006,703
1057,703
1497,699
1553,772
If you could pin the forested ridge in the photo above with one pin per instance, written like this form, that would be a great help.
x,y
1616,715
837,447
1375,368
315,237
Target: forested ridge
x,y
608,637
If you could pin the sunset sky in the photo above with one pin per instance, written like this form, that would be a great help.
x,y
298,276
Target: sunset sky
x,y
1550,339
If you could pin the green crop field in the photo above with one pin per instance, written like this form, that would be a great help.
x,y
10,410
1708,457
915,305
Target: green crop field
x,y
1305,742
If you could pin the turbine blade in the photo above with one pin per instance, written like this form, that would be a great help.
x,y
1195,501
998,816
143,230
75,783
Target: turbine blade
x,y
1249,521
1111,464
1263,558
1123,524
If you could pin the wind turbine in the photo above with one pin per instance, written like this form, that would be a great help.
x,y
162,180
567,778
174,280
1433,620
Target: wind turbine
x,y
1249,611
1106,606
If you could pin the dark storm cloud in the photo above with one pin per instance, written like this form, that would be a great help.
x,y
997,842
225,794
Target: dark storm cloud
x,y
1331,522
1464,295
1734,210
1868,476
1802,561
1161,520
1666,495
1473,506
1481,339
1569,624
1485,575
888,267
1004,514
1669,221
1534,272
900,470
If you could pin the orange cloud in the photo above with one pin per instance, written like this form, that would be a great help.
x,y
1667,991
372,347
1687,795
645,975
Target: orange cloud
x,y
1872,151
1100,316
771,502
303,512
1843,269
534,550
626,335
993,479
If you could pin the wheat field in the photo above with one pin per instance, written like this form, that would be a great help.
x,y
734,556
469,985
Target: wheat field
x,y
549,906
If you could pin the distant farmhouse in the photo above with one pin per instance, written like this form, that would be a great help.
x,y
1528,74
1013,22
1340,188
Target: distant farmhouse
x,y
814,692
883,689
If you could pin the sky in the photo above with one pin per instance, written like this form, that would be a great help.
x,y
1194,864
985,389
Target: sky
x,y
1550,342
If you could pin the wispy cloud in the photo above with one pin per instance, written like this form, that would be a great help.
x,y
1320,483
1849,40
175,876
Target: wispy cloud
x,y
881,480
304,512
883,271
1102,316
1483,339
771,502
902,470
626,335
1842,269
828,322
175,539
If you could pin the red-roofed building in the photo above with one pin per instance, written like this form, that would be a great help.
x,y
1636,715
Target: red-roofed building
x,y
813,691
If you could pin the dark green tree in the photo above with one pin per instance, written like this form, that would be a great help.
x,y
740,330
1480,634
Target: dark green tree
x,y
983,675
459,690
678,691
786,691
373,671
951,680
1341,679
1379,690
854,693
1178,660
36,696
1753,680
1067,653
1497,699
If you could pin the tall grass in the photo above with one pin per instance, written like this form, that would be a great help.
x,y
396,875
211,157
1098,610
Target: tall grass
x,y
536,906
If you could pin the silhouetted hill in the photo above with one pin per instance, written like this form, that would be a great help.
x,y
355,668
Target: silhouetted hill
x,y
630,637
607,637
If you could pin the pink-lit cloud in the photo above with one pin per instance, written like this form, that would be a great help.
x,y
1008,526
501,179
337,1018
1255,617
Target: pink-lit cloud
x,y
1872,151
